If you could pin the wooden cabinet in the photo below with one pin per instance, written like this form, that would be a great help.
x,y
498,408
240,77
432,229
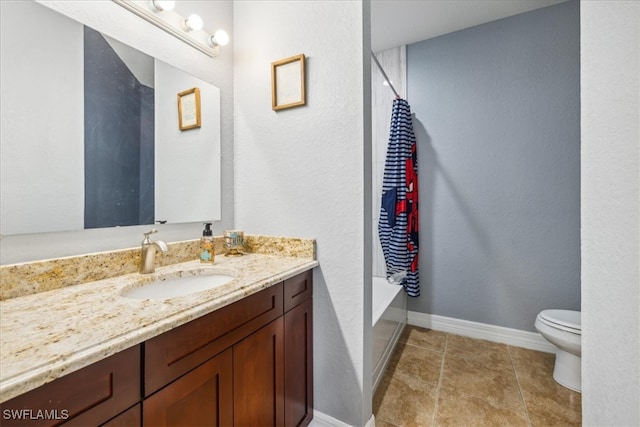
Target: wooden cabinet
x,y
207,357
132,417
90,396
258,378
298,362
269,380
246,364
202,397
174,353
298,350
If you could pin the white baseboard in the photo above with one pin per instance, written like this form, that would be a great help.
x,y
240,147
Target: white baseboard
x,y
371,422
321,419
513,337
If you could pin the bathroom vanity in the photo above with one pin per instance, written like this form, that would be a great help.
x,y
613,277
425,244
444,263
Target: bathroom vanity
x,y
239,354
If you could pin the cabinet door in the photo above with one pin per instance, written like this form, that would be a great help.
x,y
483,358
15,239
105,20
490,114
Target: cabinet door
x,y
203,397
132,417
298,365
258,379
89,396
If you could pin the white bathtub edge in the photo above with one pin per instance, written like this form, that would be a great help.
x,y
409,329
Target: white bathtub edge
x,y
379,370
383,294
509,336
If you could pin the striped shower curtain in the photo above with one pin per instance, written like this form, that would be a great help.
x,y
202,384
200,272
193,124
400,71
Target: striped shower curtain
x,y
398,223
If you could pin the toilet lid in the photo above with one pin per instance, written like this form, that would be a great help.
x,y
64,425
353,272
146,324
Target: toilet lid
x,y
565,319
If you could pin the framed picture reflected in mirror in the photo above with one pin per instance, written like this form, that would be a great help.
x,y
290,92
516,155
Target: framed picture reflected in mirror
x,y
189,109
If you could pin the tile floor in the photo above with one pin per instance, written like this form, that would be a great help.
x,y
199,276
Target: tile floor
x,y
439,379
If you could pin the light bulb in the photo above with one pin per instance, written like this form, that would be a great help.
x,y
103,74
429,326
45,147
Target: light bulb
x,y
220,38
163,4
193,22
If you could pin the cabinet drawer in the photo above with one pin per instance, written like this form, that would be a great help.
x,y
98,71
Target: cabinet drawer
x,y
89,396
176,352
298,289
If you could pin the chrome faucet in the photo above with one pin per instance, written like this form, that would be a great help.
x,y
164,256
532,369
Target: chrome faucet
x,y
148,252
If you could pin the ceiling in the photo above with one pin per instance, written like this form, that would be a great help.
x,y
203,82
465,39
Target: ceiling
x,y
399,22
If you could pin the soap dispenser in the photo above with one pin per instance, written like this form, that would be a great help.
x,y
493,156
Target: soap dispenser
x,y
207,252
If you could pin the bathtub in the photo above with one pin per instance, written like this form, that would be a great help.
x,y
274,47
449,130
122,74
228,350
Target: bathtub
x,y
389,317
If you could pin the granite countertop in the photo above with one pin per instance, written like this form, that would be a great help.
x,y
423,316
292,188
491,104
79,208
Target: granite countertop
x,y
49,334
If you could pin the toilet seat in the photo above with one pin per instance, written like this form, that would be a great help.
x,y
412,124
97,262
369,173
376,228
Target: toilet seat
x,y
565,320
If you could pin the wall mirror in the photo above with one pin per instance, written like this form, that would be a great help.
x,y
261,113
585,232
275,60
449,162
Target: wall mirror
x,y
90,133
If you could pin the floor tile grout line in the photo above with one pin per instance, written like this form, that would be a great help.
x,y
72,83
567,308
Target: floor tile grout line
x,y
515,372
435,406
421,347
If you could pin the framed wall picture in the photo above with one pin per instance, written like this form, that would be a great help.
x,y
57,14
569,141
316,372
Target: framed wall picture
x,y
189,109
287,83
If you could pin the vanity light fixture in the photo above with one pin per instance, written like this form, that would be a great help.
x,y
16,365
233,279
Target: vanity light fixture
x,y
220,38
161,5
193,23
189,30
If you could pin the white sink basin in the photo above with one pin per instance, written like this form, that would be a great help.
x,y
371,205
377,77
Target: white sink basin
x,y
172,287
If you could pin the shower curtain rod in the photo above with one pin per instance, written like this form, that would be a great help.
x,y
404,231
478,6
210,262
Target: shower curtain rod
x,y
384,74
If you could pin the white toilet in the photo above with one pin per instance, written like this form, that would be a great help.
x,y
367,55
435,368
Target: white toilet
x,y
563,329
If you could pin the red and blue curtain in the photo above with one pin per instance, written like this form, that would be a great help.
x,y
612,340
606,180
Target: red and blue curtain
x,y
398,224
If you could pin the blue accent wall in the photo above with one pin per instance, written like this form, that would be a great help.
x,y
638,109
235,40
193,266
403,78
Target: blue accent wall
x,y
146,211
119,139
497,120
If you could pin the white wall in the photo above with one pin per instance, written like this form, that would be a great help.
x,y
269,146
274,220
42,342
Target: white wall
x,y
306,172
117,22
610,90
